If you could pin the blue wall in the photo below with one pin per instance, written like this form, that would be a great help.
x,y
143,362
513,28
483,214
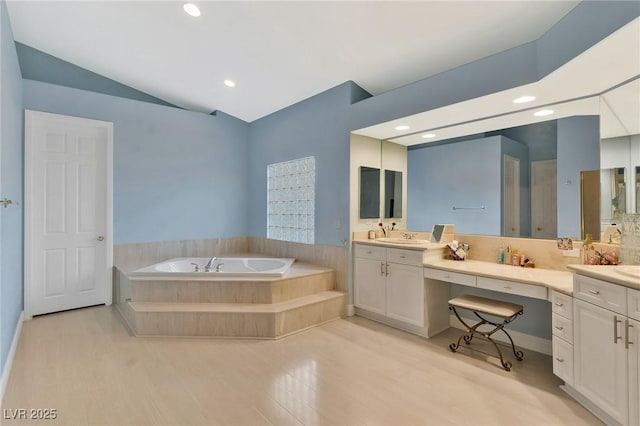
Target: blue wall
x,y
461,174
318,127
11,172
177,174
40,66
578,149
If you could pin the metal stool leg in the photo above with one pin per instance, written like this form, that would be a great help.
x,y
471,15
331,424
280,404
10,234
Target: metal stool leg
x,y
472,330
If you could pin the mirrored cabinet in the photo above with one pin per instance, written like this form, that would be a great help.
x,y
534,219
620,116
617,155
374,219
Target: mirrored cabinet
x,y
369,193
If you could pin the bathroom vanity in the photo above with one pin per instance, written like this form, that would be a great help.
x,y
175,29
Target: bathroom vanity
x,y
606,340
595,313
388,283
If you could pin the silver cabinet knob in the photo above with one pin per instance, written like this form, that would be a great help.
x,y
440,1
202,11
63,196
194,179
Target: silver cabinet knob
x,y
100,238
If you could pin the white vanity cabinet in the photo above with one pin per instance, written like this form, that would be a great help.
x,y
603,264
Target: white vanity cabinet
x,y
632,339
370,282
605,349
389,282
633,333
562,340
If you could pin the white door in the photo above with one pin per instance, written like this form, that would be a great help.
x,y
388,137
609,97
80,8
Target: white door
x,y
369,284
544,199
405,293
511,201
600,365
68,212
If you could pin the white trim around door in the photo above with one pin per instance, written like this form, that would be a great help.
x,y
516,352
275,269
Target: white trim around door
x,y
52,218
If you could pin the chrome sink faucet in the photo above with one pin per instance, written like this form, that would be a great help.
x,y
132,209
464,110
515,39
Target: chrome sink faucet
x,y
409,236
209,266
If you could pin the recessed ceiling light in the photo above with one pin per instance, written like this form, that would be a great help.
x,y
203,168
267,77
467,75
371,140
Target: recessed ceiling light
x,y
191,9
229,83
543,112
403,127
524,99
429,135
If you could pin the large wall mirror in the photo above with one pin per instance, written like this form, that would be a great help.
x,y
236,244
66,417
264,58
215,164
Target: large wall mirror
x,y
493,167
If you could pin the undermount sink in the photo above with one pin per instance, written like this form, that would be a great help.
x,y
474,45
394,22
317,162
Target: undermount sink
x,y
632,271
402,240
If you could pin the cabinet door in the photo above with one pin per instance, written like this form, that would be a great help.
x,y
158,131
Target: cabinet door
x,y
405,294
633,330
369,285
563,359
600,365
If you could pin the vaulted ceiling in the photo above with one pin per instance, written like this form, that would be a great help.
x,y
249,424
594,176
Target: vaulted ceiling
x,y
277,53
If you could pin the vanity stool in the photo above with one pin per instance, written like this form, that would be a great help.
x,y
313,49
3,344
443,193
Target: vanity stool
x,y
496,308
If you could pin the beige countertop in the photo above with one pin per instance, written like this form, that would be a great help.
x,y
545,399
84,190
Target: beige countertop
x,y
406,246
561,281
626,275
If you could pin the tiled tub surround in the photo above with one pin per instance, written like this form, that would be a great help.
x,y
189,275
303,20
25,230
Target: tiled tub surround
x,y
128,257
263,308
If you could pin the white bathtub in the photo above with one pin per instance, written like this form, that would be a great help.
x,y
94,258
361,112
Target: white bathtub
x,y
229,267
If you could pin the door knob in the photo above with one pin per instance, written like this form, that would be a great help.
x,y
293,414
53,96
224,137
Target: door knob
x,y
100,238
539,229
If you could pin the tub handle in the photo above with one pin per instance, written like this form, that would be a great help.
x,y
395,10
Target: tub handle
x,y
196,268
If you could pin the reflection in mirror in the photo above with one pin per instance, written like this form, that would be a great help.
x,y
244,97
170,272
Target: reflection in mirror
x,y
392,194
619,153
369,193
436,233
637,189
612,195
590,206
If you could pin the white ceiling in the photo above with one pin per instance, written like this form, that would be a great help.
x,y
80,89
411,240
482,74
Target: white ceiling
x,y
278,53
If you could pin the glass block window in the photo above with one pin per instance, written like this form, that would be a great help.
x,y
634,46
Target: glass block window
x,y
291,200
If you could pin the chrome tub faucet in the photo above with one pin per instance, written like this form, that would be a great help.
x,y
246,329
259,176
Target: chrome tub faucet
x,y
209,266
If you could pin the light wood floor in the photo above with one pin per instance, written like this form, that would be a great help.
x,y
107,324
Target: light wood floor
x,y
85,365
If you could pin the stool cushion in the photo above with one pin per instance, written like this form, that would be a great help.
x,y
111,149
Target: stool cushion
x,y
493,307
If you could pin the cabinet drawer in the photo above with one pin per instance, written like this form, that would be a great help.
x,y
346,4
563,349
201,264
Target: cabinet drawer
x,y
404,257
511,287
633,303
563,360
600,293
450,277
562,304
370,252
562,327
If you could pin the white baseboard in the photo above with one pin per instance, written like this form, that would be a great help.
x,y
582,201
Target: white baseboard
x,y
351,310
521,340
420,331
6,371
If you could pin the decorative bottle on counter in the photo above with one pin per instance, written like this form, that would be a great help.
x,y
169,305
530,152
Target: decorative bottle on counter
x,y
587,250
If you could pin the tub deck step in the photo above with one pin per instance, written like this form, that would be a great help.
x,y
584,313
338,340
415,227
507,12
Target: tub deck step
x,y
229,320
257,308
